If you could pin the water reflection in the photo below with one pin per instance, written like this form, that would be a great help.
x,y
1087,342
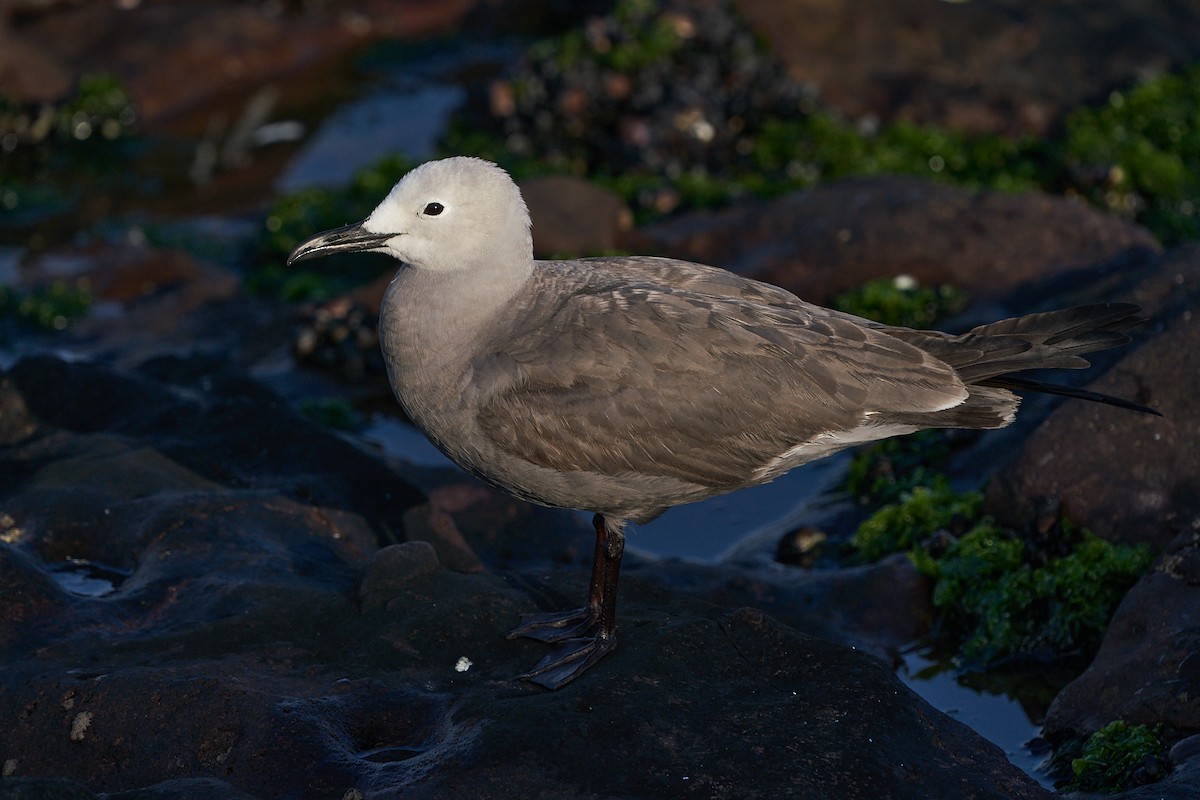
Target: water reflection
x,y
87,578
991,707
359,134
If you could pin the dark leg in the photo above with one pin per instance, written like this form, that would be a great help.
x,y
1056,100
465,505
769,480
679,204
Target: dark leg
x,y
556,626
584,636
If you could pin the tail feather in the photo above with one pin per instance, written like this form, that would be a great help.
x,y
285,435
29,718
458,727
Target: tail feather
x,y
986,355
1055,326
1049,340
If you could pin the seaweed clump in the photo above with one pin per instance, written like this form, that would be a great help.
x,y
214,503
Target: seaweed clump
x,y
1001,596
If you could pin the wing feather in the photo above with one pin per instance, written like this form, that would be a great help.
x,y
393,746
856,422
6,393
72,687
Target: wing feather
x,y
661,367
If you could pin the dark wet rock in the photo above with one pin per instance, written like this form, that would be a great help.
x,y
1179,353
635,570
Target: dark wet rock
x,y
572,217
1137,477
178,789
434,524
855,735
183,789
1164,286
1185,749
16,423
125,273
180,425
374,702
470,524
1182,784
1005,66
43,789
392,567
1148,668
879,607
30,600
826,240
532,17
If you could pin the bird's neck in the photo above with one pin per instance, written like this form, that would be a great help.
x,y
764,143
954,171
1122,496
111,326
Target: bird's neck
x,y
429,320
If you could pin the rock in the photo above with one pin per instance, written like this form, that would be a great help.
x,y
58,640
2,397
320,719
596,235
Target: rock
x,y
375,703
30,600
572,217
394,566
177,55
1185,749
1163,286
181,425
1148,668
16,424
1003,67
1182,784
879,607
30,74
125,273
823,241
532,17
471,524
184,789
43,789
1138,477
838,723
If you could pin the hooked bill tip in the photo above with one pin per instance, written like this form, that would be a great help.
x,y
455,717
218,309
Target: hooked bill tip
x,y
348,238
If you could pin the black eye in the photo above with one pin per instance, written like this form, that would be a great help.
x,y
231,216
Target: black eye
x,y
433,209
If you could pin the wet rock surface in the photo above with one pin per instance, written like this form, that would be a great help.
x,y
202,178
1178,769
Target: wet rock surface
x,y
151,301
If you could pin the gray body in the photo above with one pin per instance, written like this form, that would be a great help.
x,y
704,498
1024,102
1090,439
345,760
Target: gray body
x,y
626,386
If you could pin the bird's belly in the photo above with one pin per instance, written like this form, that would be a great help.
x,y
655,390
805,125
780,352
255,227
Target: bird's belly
x,y
635,496
826,444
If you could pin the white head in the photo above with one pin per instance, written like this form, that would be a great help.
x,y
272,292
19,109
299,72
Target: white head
x,y
457,213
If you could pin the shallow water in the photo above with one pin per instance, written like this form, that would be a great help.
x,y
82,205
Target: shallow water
x,y
997,716
359,134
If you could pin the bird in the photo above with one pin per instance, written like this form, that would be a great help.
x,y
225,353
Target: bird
x,y
626,385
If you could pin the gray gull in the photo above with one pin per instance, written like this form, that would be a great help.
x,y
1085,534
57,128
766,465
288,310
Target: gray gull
x,y
627,385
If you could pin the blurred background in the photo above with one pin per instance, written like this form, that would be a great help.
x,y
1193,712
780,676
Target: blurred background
x,y
918,161
246,125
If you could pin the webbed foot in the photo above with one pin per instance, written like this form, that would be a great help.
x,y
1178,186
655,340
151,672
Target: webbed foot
x,y
556,626
568,660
